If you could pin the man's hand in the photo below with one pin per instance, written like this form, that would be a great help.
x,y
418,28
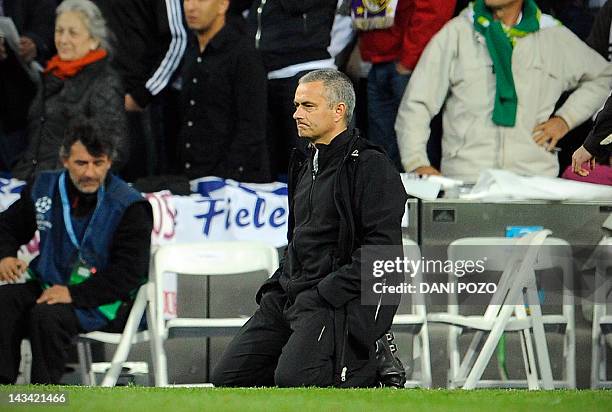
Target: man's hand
x,y
547,134
579,158
11,269
55,294
3,53
131,105
27,49
401,69
427,170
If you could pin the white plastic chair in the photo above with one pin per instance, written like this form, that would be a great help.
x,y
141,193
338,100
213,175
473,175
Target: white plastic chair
x,y
415,323
498,250
208,259
516,289
602,321
124,340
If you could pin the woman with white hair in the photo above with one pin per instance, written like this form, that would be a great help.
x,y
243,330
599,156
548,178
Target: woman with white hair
x,y
77,81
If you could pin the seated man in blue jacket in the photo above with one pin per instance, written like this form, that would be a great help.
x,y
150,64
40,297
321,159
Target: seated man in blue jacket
x,y
95,234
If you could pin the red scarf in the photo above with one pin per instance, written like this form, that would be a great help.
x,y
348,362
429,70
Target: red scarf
x,y
64,69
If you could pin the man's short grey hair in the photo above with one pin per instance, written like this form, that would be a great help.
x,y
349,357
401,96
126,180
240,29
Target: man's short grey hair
x,y
338,88
92,17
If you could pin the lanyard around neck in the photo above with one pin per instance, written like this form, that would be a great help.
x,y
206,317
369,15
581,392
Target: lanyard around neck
x,y
66,210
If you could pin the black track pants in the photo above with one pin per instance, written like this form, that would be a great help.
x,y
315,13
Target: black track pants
x,y
50,328
287,345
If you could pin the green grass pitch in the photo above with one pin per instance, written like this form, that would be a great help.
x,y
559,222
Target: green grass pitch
x,y
135,399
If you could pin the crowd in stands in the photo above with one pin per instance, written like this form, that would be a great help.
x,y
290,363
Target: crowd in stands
x,y
206,87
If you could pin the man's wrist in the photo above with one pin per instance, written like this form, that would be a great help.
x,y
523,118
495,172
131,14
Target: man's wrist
x,y
402,69
565,119
74,297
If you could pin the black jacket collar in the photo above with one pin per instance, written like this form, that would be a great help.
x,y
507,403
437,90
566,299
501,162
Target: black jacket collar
x,y
334,150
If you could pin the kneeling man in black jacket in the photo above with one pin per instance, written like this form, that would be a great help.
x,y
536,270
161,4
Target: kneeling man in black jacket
x,y
311,328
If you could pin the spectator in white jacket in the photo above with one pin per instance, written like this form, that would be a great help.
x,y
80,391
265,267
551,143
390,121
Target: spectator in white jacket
x,y
499,69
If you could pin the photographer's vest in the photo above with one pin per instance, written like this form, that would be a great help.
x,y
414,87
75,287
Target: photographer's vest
x,y
71,252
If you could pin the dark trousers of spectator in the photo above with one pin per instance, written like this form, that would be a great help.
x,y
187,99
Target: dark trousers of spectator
x,y
289,345
168,135
385,90
141,146
51,330
360,116
12,146
152,139
281,129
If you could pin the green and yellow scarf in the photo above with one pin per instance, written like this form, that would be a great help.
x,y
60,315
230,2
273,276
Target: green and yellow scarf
x,y
500,42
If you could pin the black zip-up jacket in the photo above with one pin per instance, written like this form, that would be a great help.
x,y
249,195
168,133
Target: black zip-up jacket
x,y
94,91
149,42
355,198
289,32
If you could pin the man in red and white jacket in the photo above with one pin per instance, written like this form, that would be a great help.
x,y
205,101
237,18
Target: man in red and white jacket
x,y
394,52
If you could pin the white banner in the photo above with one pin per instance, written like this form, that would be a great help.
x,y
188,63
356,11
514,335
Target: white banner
x,y
228,210
495,185
9,191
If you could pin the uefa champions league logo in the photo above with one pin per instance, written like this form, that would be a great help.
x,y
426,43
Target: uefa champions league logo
x,y
43,204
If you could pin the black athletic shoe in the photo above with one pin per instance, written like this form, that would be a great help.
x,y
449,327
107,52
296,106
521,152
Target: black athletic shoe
x,y
390,370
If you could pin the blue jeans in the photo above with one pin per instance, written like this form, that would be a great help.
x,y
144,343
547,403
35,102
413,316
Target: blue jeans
x,y
385,90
